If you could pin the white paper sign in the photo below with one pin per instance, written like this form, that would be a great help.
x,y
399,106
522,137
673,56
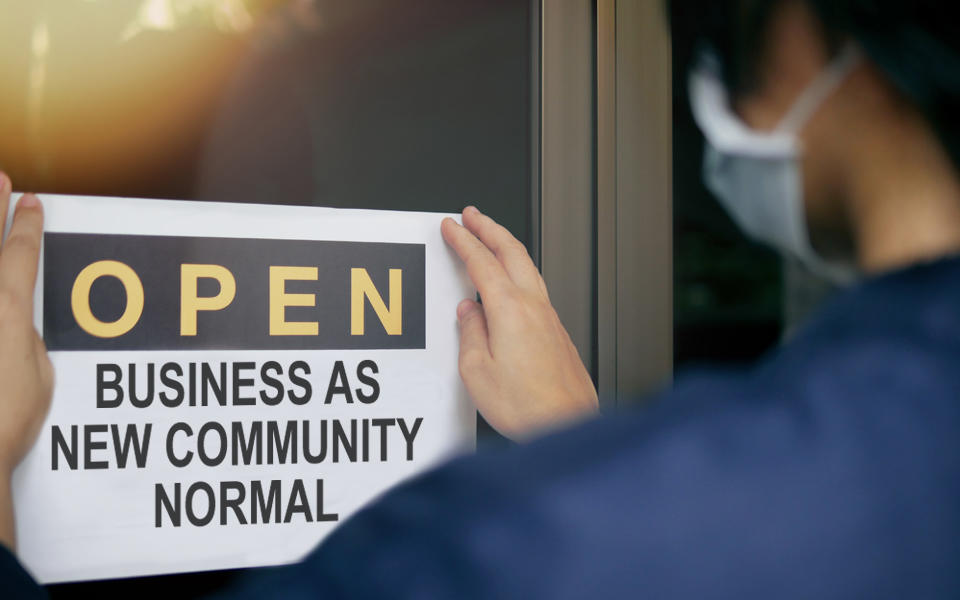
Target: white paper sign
x,y
232,380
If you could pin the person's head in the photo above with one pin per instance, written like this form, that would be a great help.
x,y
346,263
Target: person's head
x,y
895,105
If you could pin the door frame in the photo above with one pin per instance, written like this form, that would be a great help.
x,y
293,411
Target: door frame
x,y
602,202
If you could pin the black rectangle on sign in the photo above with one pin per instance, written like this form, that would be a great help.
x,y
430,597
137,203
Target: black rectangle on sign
x,y
392,311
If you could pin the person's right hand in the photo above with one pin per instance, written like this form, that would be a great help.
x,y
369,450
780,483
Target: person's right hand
x,y
516,359
26,375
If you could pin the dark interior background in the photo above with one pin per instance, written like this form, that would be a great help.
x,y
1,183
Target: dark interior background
x,y
728,291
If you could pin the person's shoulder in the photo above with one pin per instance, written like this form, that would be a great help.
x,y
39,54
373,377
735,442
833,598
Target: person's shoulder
x,y
845,438
712,486
893,340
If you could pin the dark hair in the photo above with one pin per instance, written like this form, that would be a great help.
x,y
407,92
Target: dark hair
x,y
915,43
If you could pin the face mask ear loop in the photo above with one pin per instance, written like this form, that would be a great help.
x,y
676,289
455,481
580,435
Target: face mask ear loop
x,y
819,89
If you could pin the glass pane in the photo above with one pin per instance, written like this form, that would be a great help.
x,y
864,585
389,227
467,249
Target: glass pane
x,y
369,103
382,104
728,291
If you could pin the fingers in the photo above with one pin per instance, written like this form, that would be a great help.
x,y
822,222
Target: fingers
x,y
484,269
474,345
5,187
509,251
21,250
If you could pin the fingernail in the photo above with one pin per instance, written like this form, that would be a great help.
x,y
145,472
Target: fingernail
x,y
28,201
463,308
472,208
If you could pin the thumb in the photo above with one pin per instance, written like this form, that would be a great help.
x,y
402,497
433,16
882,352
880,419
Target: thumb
x,y
474,348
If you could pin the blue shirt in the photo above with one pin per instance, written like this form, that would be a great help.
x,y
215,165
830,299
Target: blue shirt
x,y
830,469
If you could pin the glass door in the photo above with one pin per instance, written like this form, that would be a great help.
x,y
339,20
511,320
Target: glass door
x,y
385,104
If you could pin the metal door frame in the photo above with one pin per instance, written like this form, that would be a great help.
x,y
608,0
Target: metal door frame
x,y
602,148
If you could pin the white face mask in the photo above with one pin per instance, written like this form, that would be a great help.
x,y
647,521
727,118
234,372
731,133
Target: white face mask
x,y
756,175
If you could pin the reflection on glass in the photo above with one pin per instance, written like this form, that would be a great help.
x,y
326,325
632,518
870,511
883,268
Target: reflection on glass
x,y
369,103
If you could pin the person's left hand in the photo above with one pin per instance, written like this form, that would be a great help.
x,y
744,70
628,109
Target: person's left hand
x,y
26,375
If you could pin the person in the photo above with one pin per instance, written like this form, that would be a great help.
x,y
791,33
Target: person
x,y
829,469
